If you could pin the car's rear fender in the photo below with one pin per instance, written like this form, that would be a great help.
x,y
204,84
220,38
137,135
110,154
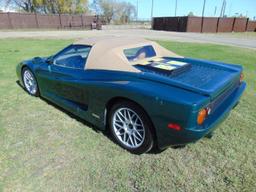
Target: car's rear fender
x,y
162,103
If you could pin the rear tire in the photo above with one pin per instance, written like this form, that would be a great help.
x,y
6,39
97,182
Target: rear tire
x,y
29,82
131,127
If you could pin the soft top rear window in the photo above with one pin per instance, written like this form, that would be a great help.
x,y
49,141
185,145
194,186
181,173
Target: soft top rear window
x,y
139,53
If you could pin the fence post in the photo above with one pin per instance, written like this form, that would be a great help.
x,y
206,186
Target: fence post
x,y
37,24
60,20
186,26
217,28
233,24
70,21
9,20
246,26
202,24
82,20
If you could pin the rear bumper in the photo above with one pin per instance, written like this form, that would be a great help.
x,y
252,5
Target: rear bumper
x,y
193,134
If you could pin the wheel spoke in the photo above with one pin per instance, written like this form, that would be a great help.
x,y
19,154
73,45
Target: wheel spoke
x,y
120,134
136,120
135,141
125,134
125,114
129,115
120,115
136,131
138,126
118,120
29,76
134,134
119,126
130,138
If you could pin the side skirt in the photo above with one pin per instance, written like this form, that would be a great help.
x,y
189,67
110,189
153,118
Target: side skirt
x,y
75,108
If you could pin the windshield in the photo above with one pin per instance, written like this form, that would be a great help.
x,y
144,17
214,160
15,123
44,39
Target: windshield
x,y
139,53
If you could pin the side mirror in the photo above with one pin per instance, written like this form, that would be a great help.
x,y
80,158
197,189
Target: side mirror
x,y
49,60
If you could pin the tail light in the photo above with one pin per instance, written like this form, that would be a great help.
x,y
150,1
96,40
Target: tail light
x,y
202,114
241,77
174,126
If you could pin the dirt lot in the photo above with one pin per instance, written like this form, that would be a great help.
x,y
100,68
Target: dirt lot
x,y
245,40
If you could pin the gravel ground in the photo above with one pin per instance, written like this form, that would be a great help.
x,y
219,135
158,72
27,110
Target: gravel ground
x,y
245,41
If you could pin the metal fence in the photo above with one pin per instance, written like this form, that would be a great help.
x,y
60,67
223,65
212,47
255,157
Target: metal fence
x,y
203,24
57,21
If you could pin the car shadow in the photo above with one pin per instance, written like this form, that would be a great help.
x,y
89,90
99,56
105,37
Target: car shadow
x,y
155,150
86,123
105,132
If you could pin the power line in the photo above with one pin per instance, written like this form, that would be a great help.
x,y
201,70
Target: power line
x,y
176,2
215,11
223,8
137,10
202,22
152,9
230,8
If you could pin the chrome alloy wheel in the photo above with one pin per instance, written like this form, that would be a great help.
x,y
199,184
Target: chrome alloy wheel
x,y
128,127
30,82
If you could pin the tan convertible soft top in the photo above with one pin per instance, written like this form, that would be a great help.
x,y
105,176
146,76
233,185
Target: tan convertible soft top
x,y
107,53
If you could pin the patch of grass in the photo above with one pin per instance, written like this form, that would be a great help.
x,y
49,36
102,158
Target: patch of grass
x,y
44,149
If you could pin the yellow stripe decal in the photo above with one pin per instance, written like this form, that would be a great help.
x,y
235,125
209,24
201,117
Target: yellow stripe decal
x,y
165,67
157,59
176,63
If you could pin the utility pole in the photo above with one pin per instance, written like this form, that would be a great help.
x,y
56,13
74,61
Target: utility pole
x,y
137,11
203,8
176,7
152,9
202,23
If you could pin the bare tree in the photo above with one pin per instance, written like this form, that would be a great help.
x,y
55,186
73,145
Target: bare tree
x,y
107,8
119,12
25,5
50,6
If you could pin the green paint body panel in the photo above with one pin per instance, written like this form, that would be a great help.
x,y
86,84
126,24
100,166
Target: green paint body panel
x,y
86,94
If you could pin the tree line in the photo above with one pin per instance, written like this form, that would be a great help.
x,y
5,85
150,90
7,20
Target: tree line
x,y
111,10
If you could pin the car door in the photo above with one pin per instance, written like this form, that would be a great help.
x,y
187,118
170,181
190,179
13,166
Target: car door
x,y
64,76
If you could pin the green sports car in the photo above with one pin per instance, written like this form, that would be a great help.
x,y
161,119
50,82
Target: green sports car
x,y
144,94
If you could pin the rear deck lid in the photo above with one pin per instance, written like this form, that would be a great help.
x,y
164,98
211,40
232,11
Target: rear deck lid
x,y
201,76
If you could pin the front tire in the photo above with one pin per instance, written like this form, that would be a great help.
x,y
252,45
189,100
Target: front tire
x,y
131,127
29,82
